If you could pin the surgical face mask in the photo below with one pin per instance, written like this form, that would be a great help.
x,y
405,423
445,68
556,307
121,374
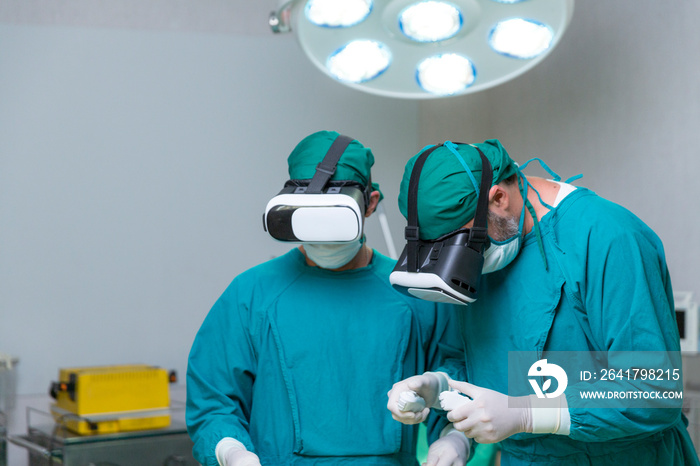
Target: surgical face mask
x,y
332,256
505,235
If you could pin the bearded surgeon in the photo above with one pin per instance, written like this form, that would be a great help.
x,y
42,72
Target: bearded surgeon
x,y
541,269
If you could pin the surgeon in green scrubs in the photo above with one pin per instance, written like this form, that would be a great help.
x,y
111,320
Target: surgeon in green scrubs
x,y
293,362
568,272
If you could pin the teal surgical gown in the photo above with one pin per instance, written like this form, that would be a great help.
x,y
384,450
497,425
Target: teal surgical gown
x,y
606,288
296,361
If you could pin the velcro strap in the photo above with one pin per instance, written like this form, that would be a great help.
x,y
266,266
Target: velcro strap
x,y
326,169
412,233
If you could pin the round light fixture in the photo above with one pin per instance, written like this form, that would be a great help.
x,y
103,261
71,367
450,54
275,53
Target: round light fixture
x,y
394,47
446,74
336,14
430,21
521,38
359,61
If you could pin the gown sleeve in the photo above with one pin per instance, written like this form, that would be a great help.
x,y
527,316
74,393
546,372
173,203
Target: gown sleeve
x,y
628,301
446,354
221,372
451,358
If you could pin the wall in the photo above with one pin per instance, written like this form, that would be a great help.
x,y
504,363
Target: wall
x,y
619,101
134,168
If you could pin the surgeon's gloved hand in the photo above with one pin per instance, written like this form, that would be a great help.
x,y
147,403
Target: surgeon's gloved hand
x,y
428,386
490,416
231,452
452,449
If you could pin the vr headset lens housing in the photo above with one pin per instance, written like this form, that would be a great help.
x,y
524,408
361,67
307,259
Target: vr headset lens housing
x,y
336,215
447,269
319,210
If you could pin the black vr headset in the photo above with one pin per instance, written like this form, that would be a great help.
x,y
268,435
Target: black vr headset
x,y
446,269
319,210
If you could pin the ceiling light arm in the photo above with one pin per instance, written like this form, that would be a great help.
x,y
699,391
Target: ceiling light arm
x,y
280,20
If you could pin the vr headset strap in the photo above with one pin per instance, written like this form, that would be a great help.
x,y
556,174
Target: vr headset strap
x,y
478,231
326,169
412,232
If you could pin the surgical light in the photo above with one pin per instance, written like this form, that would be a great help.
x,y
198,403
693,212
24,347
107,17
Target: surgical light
x,y
421,49
334,13
359,61
521,38
430,21
445,75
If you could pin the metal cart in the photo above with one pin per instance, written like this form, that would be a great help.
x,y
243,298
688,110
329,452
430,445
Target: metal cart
x,y
52,444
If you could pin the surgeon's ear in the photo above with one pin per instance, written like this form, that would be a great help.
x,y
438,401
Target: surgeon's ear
x,y
499,199
373,202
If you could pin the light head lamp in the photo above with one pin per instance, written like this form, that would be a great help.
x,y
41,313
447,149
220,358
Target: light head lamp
x,y
319,210
446,269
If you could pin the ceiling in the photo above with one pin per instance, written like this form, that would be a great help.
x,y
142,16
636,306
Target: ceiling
x,y
248,17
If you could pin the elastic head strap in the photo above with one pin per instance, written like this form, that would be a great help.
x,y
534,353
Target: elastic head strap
x,y
482,204
478,231
412,232
326,169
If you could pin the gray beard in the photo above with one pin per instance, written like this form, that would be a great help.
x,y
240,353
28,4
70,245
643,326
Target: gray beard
x,y
501,228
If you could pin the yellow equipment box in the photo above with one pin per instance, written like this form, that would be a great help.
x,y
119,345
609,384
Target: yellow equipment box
x,y
110,399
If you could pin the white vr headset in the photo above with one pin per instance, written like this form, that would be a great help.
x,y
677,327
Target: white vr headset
x,y
319,210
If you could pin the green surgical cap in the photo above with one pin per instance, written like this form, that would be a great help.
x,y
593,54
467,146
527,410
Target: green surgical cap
x,y
446,194
354,164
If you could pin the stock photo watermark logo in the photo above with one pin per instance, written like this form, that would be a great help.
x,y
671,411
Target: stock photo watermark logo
x,y
599,379
547,372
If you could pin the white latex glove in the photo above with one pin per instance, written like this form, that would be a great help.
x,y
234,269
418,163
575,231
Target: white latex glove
x,y
242,458
451,449
490,416
231,452
427,386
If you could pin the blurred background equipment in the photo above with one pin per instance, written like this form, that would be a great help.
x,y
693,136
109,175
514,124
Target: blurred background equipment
x,y
8,388
115,414
8,382
108,399
688,321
